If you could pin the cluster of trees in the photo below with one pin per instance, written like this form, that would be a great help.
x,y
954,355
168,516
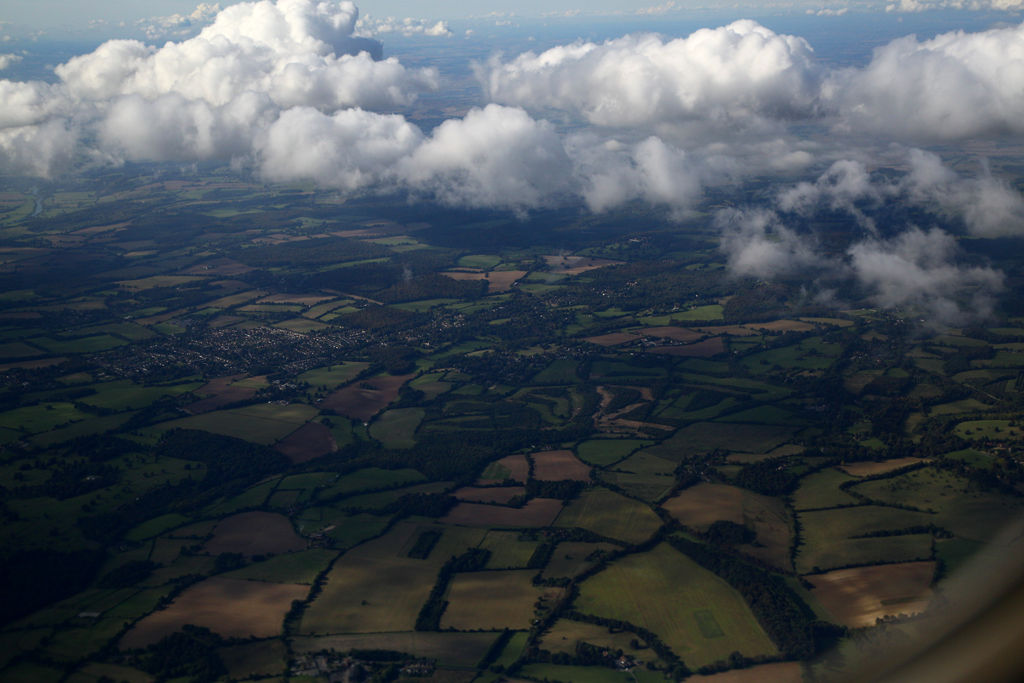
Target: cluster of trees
x,y
128,574
31,579
190,652
772,477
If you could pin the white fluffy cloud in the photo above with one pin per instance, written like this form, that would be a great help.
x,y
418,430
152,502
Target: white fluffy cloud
x,y
8,59
918,269
409,26
178,24
496,156
757,244
296,52
350,150
211,96
732,75
745,76
925,5
954,86
988,206
612,173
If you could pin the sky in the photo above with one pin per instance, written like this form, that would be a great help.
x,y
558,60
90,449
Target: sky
x,y
304,90
59,16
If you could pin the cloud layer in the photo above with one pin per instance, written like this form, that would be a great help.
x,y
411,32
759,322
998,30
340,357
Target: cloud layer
x,y
290,90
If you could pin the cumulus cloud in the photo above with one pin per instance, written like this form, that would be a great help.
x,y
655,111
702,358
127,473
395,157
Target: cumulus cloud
x,y
663,8
409,26
496,157
913,269
349,150
38,150
745,76
914,6
957,85
210,96
8,59
179,24
918,269
732,75
294,51
613,173
988,206
757,244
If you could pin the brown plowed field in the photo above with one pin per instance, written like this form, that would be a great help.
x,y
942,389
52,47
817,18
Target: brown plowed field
x,y
363,400
866,469
537,513
612,338
857,597
559,465
231,607
254,533
308,442
701,349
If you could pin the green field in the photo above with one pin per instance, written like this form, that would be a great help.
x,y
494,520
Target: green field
x,y
707,313
821,490
381,499
574,557
977,430
562,371
301,567
827,537
610,514
968,512
491,600
262,423
703,437
643,475
18,350
370,479
602,452
93,344
376,587
369,595
40,418
482,261
156,526
397,428
333,376
565,634
809,354
126,395
88,427
507,550
666,592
